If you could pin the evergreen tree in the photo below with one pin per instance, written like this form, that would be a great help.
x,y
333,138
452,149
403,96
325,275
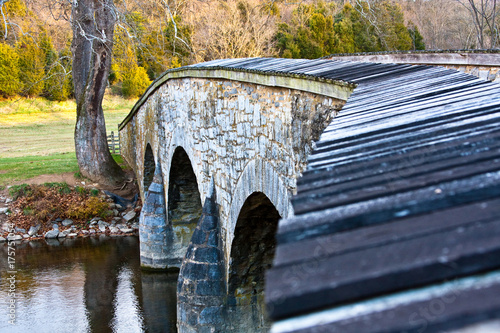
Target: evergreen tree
x,y
416,37
160,50
10,84
315,30
31,66
125,69
57,80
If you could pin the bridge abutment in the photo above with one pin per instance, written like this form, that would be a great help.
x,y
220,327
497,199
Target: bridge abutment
x,y
155,233
201,288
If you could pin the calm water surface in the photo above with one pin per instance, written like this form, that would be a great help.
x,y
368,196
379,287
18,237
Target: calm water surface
x,y
85,285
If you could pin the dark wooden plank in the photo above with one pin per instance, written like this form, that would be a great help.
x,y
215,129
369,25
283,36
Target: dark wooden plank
x,y
330,156
453,305
400,230
308,286
439,118
410,179
469,97
450,152
390,208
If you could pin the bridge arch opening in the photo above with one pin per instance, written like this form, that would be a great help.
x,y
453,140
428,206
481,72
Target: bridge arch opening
x,y
252,253
149,168
184,201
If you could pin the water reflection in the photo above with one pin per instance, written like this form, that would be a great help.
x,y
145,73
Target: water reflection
x,y
86,285
127,315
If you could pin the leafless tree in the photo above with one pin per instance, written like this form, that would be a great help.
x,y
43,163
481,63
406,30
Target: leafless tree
x,y
93,23
484,16
444,24
231,29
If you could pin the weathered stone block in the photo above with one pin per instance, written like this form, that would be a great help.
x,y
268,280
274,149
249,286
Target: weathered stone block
x,y
209,288
199,237
208,223
192,317
157,238
211,315
215,272
207,254
213,238
189,252
193,271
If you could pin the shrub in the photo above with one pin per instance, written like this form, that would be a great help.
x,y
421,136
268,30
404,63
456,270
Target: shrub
x,y
10,84
62,188
18,191
135,82
91,207
44,203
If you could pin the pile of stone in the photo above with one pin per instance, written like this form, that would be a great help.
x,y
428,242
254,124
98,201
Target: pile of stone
x,y
125,222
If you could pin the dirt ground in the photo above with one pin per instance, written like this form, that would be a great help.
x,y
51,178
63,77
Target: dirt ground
x,y
128,190
68,177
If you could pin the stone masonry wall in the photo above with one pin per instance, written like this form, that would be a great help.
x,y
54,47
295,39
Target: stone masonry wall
x,y
483,72
247,137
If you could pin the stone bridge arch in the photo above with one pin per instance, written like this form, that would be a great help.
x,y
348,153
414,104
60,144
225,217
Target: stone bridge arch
x,y
149,167
252,253
255,178
184,202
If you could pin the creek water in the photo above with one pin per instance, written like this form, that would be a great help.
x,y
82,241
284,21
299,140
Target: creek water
x,y
83,285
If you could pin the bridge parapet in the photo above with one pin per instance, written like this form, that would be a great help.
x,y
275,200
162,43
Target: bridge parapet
x,y
484,64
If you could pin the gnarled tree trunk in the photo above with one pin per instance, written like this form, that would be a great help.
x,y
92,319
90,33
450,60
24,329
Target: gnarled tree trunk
x,y
93,23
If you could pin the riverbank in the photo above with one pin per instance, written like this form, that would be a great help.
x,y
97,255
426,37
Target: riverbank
x,y
36,148
19,223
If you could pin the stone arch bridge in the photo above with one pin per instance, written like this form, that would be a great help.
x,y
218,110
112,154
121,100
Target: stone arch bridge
x,y
239,137
218,147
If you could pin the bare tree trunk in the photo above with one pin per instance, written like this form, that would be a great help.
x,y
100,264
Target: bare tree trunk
x,y
93,24
483,14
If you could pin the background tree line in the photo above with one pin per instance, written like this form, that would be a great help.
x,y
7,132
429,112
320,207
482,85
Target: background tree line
x,y
155,35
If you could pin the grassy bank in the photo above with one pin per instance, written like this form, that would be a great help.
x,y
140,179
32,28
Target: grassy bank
x,y
20,168
40,127
36,135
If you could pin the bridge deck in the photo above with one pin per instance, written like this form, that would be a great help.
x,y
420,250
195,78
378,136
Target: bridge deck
x,y
400,194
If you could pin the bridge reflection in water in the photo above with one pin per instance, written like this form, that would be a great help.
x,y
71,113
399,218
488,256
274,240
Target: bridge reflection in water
x,y
87,285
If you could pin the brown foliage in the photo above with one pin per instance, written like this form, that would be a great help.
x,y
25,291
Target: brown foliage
x,y
42,204
232,29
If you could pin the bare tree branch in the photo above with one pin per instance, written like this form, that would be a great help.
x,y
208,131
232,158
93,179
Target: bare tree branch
x,y
483,13
167,9
2,2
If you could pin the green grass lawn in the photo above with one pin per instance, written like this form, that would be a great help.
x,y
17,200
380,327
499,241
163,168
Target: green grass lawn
x,y
36,135
21,168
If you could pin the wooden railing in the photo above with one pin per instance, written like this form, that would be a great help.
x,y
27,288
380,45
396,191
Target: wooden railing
x,y
114,143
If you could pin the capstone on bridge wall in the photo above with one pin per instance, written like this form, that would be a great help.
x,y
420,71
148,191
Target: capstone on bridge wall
x,y
484,64
247,137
